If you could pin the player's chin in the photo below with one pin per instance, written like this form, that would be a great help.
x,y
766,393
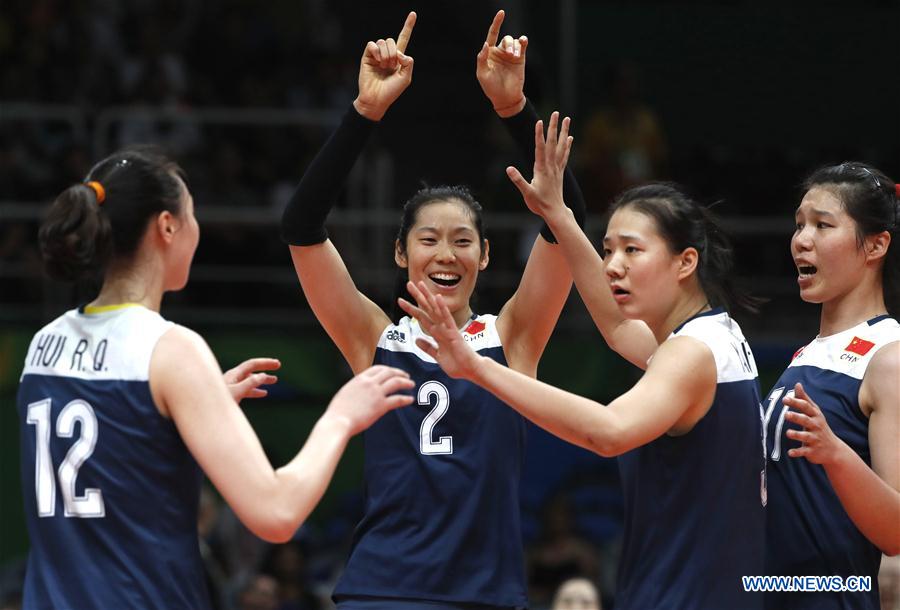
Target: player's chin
x,y
812,294
454,304
630,308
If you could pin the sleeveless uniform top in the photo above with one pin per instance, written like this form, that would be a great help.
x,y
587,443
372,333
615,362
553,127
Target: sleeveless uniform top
x,y
442,486
694,504
809,531
110,489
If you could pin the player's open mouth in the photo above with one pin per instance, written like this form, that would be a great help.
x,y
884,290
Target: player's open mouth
x,y
806,270
620,295
445,279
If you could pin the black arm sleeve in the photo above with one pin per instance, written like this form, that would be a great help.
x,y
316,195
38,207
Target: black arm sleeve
x,y
521,128
303,221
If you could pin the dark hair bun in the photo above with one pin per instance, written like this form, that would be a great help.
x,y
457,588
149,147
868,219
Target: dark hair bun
x,y
75,237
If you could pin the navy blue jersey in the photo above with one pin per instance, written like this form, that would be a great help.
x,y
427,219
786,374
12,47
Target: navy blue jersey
x,y
442,486
110,489
694,504
809,531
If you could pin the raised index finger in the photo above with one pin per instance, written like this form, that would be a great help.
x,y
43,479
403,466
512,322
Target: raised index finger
x,y
494,30
406,32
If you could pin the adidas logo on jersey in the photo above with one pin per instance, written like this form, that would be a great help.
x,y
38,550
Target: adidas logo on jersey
x,y
396,335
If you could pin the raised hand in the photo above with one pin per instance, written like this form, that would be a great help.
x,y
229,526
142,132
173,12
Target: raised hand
x,y
243,382
544,194
385,72
449,350
819,444
369,395
500,69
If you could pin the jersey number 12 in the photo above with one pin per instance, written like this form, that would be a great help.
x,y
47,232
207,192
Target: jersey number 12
x,y
91,503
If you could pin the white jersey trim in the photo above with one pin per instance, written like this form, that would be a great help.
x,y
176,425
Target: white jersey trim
x,y
840,352
480,333
111,345
722,335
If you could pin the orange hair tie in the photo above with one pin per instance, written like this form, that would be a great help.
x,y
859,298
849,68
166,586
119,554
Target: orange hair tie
x,y
98,190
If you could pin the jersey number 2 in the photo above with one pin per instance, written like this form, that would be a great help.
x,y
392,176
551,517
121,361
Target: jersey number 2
x,y
427,446
91,503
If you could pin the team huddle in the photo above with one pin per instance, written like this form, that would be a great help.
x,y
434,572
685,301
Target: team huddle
x,y
719,481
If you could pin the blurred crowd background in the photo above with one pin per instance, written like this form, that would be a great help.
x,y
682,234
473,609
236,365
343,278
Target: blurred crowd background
x,y
738,100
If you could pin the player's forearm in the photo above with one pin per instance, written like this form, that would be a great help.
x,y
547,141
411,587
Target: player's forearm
x,y
520,126
872,504
303,220
302,481
572,418
587,270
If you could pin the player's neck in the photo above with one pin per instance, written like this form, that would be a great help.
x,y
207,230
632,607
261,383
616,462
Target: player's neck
x,y
846,311
462,317
681,313
140,284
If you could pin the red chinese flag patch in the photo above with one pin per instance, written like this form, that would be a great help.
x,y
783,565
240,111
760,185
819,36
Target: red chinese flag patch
x,y
859,346
475,327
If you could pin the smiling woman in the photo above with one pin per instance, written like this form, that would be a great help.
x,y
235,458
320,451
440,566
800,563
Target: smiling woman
x,y
441,525
441,238
688,435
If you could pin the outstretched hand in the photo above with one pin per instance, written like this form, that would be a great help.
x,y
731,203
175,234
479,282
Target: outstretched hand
x,y
819,444
243,382
449,348
385,71
369,395
544,194
500,69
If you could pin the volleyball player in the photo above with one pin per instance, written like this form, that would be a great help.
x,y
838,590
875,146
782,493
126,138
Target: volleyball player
x,y
688,434
122,411
833,418
441,524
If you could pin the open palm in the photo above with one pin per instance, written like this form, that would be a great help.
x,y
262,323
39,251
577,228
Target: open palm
x,y
449,349
544,194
